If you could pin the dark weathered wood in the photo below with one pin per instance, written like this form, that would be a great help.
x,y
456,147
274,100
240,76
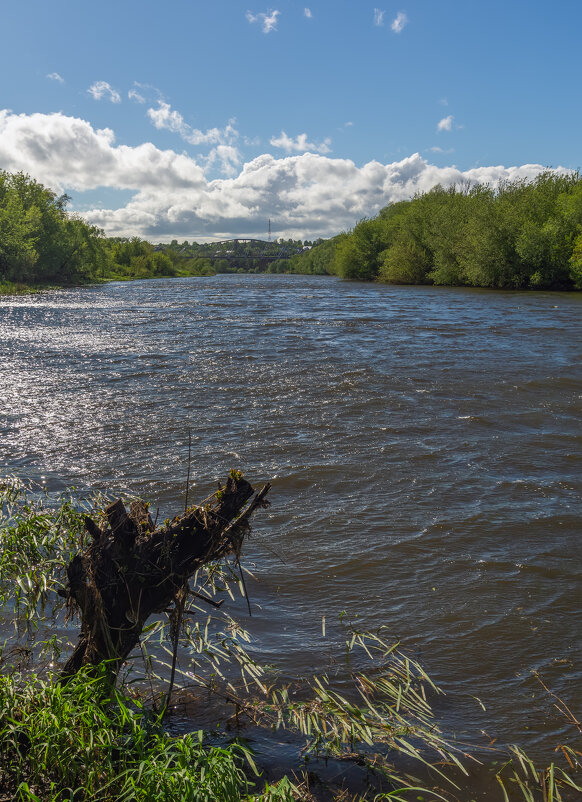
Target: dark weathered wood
x,y
132,570
91,527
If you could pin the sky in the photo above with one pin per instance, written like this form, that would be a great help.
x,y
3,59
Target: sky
x,y
205,119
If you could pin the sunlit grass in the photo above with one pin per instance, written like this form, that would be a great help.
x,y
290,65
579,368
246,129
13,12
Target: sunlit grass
x,y
68,742
17,288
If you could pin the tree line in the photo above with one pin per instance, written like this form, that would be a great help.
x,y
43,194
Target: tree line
x,y
521,235
41,243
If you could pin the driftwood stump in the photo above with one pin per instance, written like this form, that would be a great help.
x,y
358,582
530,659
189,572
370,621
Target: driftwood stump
x,y
132,570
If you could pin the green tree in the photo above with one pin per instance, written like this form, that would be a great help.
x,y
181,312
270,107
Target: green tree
x,y
524,234
40,241
18,256
357,255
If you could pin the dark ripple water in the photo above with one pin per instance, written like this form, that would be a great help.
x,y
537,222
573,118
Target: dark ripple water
x,y
425,446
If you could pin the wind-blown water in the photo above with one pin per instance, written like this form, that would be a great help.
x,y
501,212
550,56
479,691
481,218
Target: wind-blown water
x,y
425,447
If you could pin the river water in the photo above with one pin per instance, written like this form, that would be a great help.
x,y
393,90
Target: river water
x,y
424,446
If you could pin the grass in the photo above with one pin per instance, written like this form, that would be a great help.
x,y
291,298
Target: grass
x,y
17,288
69,743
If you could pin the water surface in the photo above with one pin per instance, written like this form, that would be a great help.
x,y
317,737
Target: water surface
x,y
424,446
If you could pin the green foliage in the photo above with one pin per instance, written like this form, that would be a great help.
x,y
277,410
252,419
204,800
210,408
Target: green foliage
x,y
67,742
234,256
576,263
136,258
389,709
40,242
523,235
198,267
316,259
72,739
36,544
17,237
357,256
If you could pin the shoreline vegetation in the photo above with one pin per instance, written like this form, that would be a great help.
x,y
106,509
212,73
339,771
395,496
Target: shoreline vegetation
x,y
522,235
83,737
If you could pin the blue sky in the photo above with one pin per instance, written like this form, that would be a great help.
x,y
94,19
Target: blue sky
x,y
196,120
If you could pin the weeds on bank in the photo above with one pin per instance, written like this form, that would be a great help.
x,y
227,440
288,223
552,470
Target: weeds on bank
x,y
17,288
36,543
66,743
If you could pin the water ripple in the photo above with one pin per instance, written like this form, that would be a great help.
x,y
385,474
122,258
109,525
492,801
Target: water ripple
x,y
424,443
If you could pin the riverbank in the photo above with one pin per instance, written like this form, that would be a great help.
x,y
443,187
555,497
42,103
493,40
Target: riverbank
x,y
18,288
8,288
99,743
78,731
73,742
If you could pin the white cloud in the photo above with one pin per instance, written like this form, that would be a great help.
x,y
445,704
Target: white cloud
x,y
145,93
101,89
133,94
227,157
62,151
164,117
307,13
436,149
299,144
399,22
54,76
309,195
378,17
446,124
268,20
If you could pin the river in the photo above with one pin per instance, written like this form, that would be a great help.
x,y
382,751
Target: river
x,y
424,446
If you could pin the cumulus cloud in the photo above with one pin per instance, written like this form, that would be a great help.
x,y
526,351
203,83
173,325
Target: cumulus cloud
x,y
307,13
299,144
399,22
227,157
164,117
309,195
67,152
268,20
446,124
101,89
54,76
378,17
